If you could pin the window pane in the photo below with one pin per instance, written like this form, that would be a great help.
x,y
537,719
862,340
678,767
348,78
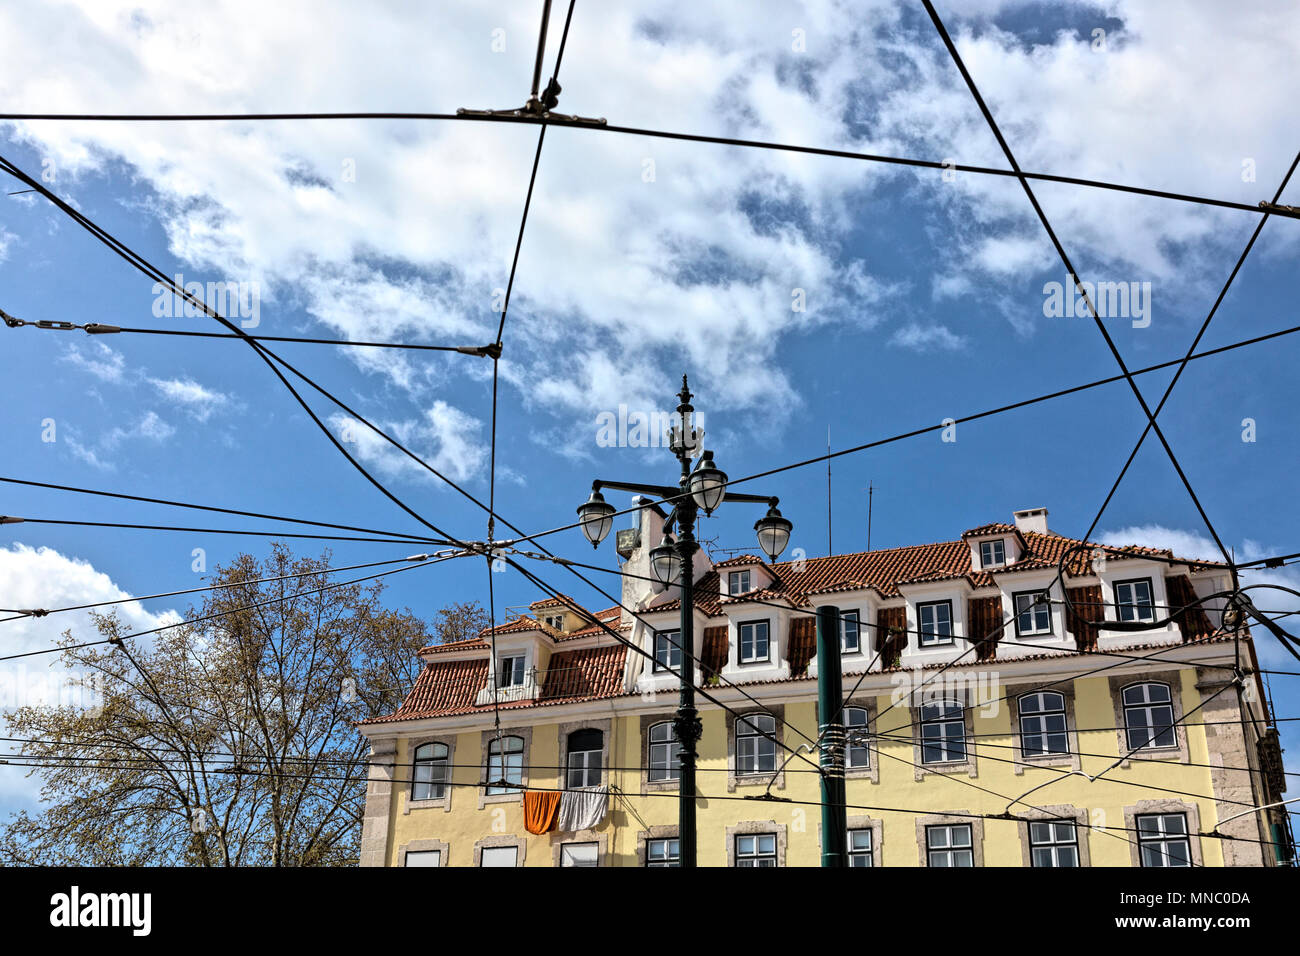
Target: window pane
x,y
578,854
424,858
849,632
499,855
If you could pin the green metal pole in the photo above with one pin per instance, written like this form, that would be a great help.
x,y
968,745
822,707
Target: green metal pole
x,y
830,731
687,726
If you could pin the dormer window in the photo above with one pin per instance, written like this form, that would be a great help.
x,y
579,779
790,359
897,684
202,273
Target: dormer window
x,y
668,651
1033,613
512,671
739,582
555,620
850,642
993,553
935,619
754,645
1133,600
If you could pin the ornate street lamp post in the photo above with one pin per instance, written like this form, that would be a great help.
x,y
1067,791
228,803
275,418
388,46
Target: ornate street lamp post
x,y
703,487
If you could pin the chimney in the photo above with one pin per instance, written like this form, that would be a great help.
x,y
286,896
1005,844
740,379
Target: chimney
x,y
1031,519
634,546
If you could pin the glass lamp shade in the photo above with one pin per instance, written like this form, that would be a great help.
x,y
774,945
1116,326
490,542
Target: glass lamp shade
x,y
597,518
708,484
773,532
665,563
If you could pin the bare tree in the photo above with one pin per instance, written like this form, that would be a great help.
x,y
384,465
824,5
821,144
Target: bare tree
x,y
461,621
227,742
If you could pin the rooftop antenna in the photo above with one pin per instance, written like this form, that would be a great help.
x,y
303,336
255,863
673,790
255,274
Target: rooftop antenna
x,y
870,491
830,548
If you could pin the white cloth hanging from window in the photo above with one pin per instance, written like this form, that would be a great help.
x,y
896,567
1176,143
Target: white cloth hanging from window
x,y
583,809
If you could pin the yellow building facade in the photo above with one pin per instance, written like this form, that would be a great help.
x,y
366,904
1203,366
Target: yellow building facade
x,y
964,750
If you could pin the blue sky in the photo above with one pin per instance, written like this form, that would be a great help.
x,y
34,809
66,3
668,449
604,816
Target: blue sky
x,y
644,259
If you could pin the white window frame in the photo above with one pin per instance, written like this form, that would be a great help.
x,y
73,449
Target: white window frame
x,y
1148,709
753,744
671,852
510,762
926,638
986,560
1034,724
568,857
498,852
1038,612
1131,603
850,715
753,854
583,762
857,851
424,858
673,649
517,672
766,624
670,751
949,851
856,618
1160,838
739,582
436,776
944,721
1053,847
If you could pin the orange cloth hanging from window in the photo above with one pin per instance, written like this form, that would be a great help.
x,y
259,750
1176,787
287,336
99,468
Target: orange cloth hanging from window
x,y
541,809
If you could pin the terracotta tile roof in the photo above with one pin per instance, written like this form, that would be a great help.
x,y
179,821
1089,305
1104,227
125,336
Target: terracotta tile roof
x,y
849,584
739,559
881,570
562,601
451,686
610,617
443,687
708,597
515,626
763,594
586,674
944,560
474,643
994,527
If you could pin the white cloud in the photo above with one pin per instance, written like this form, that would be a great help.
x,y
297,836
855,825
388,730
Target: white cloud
x,y
623,283
43,578
197,400
447,438
925,337
149,427
103,362
1190,544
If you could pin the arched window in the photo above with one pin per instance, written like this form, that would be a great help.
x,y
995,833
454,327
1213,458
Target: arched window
x,y
664,753
1149,716
856,754
505,762
943,732
1042,724
756,744
429,772
585,747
